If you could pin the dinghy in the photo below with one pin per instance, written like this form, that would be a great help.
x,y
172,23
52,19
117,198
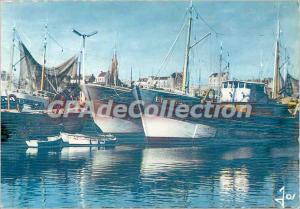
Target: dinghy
x,y
51,142
85,140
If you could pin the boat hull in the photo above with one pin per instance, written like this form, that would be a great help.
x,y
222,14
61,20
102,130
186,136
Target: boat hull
x,y
263,120
158,127
20,100
57,143
161,127
39,124
83,140
100,96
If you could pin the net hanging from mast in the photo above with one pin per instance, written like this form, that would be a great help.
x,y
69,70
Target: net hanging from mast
x,y
56,79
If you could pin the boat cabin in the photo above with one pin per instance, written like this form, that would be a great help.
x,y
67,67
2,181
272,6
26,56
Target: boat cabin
x,y
244,92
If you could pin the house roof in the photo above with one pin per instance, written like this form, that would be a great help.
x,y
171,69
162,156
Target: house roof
x,y
216,74
174,75
161,78
102,74
143,80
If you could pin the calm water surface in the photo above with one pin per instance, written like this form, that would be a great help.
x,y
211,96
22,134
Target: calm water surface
x,y
138,173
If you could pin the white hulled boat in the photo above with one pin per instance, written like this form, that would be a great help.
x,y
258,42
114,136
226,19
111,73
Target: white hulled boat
x,y
266,114
101,95
172,127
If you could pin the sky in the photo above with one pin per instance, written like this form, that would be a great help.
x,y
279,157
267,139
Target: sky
x,y
142,33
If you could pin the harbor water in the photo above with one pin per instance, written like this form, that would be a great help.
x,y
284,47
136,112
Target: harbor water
x,y
219,172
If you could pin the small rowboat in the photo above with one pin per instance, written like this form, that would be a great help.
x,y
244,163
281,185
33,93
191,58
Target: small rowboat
x,y
51,142
84,140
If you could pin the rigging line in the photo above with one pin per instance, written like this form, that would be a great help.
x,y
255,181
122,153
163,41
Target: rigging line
x,y
170,52
14,65
53,39
200,40
172,46
203,20
24,34
51,85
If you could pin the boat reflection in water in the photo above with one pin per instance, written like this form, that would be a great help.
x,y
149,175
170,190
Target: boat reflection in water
x,y
240,174
157,160
234,181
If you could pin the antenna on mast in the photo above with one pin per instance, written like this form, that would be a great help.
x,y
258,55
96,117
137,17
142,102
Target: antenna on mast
x,y
9,83
131,77
220,68
261,67
44,58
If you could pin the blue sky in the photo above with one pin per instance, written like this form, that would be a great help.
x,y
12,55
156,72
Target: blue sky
x,y
144,31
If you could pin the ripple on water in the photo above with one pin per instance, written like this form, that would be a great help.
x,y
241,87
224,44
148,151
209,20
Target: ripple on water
x,y
216,173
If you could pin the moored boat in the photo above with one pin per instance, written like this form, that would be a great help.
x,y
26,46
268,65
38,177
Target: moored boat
x,y
106,96
101,96
85,140
51,142
166,125
24,105
259,114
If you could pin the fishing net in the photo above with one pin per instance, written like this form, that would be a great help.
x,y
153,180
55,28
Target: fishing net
x,y
56,79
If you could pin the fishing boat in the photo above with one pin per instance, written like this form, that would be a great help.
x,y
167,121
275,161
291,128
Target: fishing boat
x,y
116,92
161,126
85,140
51,142
238,92
101,96
266,115
24,101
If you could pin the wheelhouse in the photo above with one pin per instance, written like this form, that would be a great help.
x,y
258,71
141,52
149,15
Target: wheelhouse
x,y
243,91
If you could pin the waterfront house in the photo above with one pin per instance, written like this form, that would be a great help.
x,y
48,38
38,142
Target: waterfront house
x,y
102,78
215,80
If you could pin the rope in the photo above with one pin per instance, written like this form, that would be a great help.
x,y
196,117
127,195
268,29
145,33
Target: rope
x,y
204,21
51,37
172,46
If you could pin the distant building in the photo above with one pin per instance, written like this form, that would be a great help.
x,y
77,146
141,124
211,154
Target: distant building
x,y
175,81
111,76
4,76
215,79
160,82
89,78
142,82
172,82
102,78
199,90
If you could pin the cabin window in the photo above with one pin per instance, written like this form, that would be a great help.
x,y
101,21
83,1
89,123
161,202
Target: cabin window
x,y
241,85
235,84
230,84
225,85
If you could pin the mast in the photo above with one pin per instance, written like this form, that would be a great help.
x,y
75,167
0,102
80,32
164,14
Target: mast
x,y
261,67
186,73
82,68
220,69
131,77
9,83
275,90
44,59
